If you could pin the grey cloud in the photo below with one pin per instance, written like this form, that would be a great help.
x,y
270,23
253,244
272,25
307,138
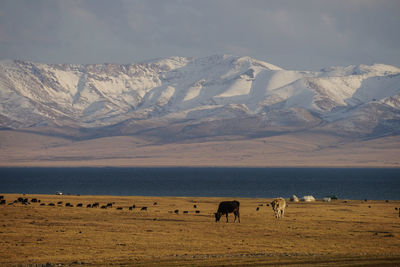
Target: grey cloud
x,y
305,34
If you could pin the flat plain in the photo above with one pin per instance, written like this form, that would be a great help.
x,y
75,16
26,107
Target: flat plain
x,y
181,231
20,149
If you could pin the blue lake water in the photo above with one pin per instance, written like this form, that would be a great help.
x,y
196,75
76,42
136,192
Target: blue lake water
x,y
220,182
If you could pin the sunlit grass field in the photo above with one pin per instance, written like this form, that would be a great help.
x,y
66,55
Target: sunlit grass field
x,y
182,231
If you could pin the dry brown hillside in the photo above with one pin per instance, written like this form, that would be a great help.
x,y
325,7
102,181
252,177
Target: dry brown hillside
x,y
27,149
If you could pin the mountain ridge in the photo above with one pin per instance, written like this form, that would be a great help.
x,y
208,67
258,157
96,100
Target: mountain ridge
x,y
183,97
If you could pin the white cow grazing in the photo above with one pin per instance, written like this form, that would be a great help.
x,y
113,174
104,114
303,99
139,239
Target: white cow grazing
x,y
278,206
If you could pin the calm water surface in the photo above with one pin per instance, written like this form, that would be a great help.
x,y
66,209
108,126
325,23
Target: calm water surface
x,y
220,182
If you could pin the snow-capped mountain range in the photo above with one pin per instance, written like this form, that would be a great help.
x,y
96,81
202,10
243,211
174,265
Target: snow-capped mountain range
x,y
181,97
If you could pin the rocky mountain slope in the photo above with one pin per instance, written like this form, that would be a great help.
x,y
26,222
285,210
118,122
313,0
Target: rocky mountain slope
x,y
180,98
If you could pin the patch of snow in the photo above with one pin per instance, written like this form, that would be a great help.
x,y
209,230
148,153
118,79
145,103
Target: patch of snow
x,y
194,90
239,87
283,78
166,96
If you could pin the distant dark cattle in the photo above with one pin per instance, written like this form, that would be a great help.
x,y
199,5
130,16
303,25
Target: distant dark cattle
x,y
104,207
130,208
1,197
226,207
143,208
119,208
34,200
185,211
95,205
43,204
176,211
79,205
133,206
109,205
68,204
2,202
197,211
257,209
22,201
155,203
51,204
59,203
88,205
195,206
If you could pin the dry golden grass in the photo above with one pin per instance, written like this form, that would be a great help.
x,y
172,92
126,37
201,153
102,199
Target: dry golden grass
x,y
323,234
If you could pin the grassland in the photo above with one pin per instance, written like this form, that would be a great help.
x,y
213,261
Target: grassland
x,y
339,233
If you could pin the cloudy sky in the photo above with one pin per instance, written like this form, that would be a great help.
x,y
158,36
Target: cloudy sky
x,y
306,34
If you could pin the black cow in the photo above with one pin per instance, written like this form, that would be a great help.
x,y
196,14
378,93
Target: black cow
x,y
226,207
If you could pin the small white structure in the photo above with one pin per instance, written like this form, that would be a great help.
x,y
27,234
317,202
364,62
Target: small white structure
x,y
59,193
308,199
294,198
326,199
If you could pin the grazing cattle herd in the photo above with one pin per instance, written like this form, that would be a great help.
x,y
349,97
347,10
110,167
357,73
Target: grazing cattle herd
x,y
224,208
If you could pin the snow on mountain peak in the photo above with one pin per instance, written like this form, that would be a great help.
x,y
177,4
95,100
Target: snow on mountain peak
x,y
372,70
96,95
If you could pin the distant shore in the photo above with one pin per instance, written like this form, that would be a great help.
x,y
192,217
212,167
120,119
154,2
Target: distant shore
x,y
23,149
